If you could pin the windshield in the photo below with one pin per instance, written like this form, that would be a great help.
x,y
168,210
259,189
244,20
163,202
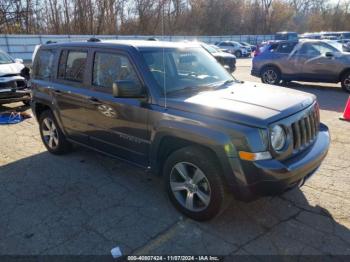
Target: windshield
x,y
185,69
5,58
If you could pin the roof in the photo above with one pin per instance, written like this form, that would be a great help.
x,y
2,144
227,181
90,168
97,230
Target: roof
x,y
139,44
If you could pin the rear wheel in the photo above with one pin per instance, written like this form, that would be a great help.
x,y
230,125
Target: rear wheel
x,y
194,183
345,82
51,134
271,75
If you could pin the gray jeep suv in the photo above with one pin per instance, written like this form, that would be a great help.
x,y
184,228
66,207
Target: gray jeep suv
x,y
304,60
173,109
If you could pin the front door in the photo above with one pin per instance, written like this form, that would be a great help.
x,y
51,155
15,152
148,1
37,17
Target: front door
x,y
317,62
118,126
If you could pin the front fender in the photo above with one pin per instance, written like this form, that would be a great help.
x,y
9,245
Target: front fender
x,y
219,143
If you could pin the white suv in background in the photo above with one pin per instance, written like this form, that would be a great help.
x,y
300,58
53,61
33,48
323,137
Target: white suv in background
x,y
234,47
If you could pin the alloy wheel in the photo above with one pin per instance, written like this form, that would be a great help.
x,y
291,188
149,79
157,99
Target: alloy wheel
x,y
190,186
50,133
347,83
270,76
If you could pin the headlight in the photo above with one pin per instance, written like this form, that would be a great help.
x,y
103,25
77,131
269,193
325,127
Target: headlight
x,y
278,137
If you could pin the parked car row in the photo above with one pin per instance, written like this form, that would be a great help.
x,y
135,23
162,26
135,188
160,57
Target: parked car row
x,y
342,38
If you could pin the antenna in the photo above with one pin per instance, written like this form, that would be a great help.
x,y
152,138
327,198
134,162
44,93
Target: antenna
x,y
164,79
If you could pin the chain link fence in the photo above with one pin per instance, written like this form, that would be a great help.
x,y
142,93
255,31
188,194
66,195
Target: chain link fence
x,y
22,46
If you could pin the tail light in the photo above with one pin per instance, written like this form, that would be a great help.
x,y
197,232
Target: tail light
x,y
257,51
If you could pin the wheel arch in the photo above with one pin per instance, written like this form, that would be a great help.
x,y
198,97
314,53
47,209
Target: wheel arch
x,y
169,144
38,107
270,65
346,70
167,141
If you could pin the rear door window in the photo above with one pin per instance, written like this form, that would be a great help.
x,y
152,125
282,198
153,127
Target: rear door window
x,y
72,65
44,64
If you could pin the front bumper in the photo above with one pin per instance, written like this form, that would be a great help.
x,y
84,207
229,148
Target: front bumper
x,y
273,177
15,95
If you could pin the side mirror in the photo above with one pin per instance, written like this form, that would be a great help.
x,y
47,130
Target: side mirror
x,y
127,89
329,54
19,60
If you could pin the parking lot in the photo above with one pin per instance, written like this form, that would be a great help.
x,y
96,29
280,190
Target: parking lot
x,y
87,203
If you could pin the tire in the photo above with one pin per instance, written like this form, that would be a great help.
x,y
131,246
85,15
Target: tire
x,y
286,82
270,75
345,81
207,194
51,134
238,54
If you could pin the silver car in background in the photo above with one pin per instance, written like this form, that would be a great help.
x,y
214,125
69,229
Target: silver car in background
x,y
303,60
234,48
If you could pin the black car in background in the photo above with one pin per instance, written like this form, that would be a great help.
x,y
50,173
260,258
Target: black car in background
x,y
226,59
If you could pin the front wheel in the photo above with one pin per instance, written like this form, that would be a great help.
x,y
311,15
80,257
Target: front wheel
x,y
345,82
194,183
271,76
51,134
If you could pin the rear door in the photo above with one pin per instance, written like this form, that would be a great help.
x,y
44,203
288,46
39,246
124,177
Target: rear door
x,y
70,92
312,63
118,126
281,56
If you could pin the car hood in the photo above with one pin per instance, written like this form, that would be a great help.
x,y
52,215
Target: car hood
x,y
248,103
10,69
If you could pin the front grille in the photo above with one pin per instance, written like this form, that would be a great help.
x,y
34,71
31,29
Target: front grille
x,y
305,130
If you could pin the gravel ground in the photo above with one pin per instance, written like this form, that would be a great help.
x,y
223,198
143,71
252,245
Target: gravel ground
x,y
86,203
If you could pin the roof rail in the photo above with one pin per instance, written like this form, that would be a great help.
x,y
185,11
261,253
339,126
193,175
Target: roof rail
x,y
93,39
50,42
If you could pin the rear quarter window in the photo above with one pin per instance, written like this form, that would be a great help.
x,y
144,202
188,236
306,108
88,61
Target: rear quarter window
x,y
44,64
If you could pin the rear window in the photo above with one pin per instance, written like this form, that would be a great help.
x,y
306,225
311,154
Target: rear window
x,y
285,48
268,48
72,65
44,64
